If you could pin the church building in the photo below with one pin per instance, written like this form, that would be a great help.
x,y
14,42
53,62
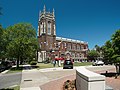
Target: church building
x,y
51,46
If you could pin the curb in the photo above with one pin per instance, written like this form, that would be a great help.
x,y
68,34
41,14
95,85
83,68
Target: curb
x,y
4,72
31,88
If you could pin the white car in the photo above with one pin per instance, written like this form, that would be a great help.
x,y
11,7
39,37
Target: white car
x,y
97,63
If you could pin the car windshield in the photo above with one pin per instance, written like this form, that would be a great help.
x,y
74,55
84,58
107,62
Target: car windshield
x,y
68,62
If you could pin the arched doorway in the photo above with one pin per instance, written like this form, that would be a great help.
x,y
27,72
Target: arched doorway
x,y
68,55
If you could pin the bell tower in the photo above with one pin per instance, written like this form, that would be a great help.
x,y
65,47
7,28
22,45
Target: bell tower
x,y
46,32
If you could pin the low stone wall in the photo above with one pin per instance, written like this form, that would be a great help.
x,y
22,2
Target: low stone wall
x,y
87,80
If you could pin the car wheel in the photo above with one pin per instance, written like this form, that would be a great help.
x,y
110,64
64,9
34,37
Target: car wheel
x,y
64,68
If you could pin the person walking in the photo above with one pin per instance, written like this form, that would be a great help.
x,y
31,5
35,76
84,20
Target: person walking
x,y
54,63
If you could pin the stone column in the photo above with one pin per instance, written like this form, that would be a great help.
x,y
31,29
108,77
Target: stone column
x,y
43,55
39,57
87,80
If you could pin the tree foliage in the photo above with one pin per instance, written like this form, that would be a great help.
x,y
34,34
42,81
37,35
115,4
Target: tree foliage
x,y
1,33
116,42
97,48
92,55
2,43
111,50
22,42
107,52
116,59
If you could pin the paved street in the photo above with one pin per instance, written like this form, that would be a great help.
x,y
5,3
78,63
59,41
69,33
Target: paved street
x,y
8,80
100,68
32,79
58,83
35,78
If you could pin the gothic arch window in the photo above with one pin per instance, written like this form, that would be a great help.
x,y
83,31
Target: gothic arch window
x,y
50,46
49,28
54,29
40,45
82,47
38,31
41,28
78,47
74,47
69,46
80,55
44,27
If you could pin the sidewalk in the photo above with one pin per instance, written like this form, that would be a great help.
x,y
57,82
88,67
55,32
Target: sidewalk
x,y
58,83
36,79
33,79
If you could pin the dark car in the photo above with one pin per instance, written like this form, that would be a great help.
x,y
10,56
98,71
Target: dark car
x,y
4,65
68,64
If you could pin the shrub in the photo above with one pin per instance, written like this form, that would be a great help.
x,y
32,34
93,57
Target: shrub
x,y
33,63
69,85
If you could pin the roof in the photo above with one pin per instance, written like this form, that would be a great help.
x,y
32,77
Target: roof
x,y
70,40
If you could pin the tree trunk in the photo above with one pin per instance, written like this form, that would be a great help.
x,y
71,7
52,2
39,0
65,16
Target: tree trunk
x,y
116,71
18,59
119,70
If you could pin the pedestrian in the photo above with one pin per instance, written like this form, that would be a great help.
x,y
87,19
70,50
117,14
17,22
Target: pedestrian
x,y
54,62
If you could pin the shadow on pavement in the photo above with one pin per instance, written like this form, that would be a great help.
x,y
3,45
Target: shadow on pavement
x,y
110,74
24,68
30,67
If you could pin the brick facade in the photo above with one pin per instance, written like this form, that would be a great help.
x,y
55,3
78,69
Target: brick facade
x,y
52,46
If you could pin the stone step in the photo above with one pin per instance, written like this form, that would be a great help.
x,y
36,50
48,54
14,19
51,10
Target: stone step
x,y
108,87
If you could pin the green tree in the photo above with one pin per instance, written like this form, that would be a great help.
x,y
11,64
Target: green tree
x,y
116,42
1,34
92,55
22,42
2,43
116,46
107,52
116,59
99,51
97,48
111,50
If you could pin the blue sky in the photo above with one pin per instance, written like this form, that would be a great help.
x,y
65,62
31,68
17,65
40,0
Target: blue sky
x,y
93,21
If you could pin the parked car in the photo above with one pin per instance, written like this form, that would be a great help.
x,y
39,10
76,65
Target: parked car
x,y
68,64
4,65
97,63
108,63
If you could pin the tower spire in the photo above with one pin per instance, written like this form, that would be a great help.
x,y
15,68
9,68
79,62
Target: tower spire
x,y
44,9
53,12
39,15
48,10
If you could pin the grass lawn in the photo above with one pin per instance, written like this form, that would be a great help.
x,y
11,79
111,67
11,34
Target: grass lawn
x,y
15,70
82,63
49,65
12,88
43,65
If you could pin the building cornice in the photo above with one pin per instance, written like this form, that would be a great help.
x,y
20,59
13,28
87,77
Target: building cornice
x,y
70,40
